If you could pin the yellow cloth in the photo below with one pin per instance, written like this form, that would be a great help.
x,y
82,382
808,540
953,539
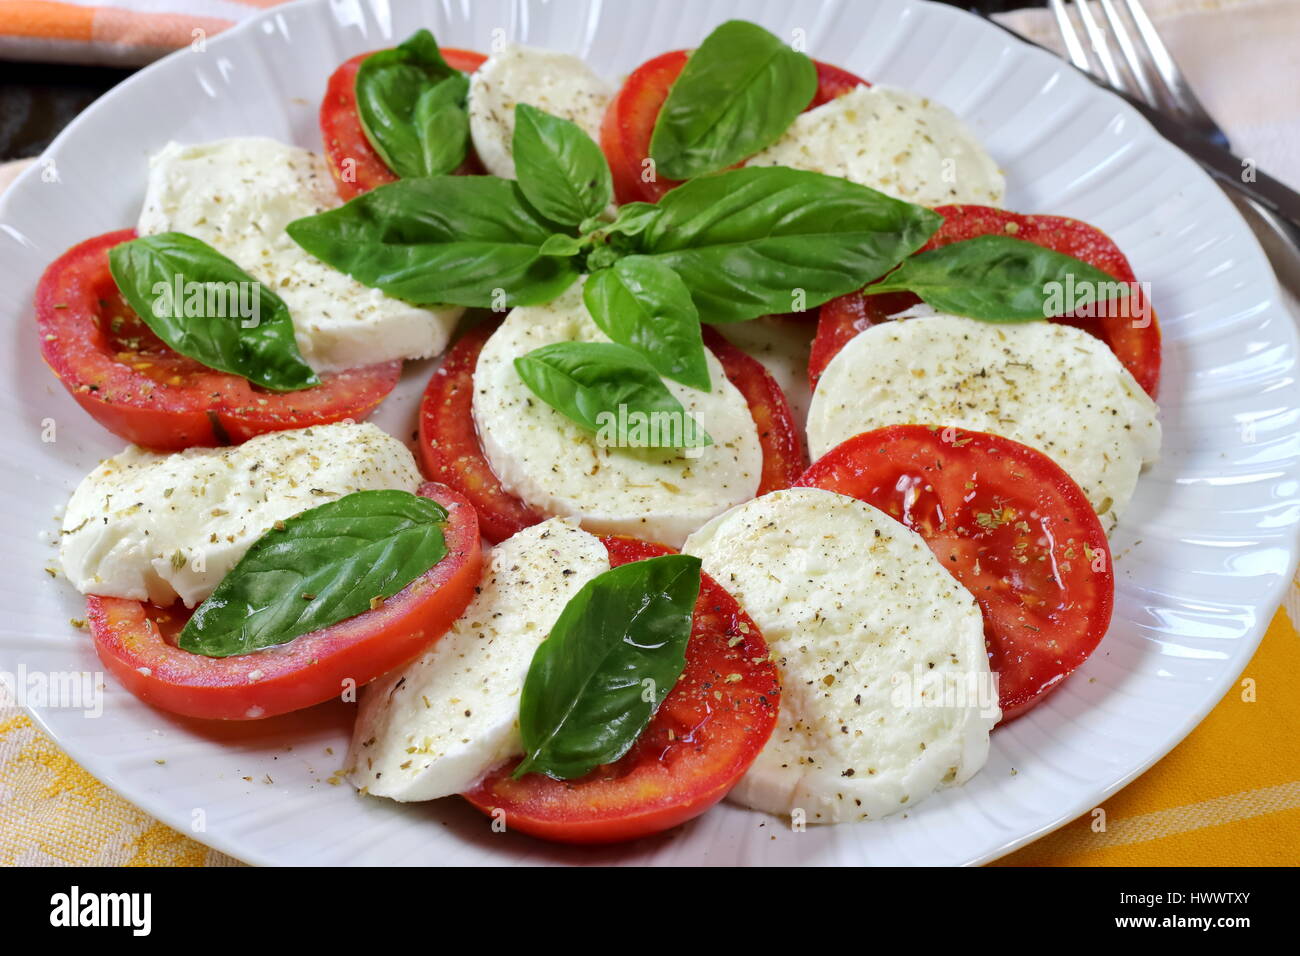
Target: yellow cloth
x,y
1228,795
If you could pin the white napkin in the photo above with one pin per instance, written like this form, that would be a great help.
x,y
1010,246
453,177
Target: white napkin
x,y
1241,57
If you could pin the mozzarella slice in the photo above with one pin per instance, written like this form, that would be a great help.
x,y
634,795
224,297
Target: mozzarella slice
x,y
901,144
153,527
886,693
660,494
438,725
237,195
558,83
1052,387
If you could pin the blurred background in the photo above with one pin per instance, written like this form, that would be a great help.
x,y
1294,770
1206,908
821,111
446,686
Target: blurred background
x,y
57,57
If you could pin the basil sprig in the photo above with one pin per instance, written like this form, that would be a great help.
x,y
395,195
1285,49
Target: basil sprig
x,y
642,303
411,103
318,568
590,382
615,652
737,94
723,248
458,240
207,308
763,240
1000,279
560,169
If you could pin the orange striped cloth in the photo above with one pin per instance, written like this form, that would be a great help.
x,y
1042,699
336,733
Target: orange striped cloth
x,y
126,33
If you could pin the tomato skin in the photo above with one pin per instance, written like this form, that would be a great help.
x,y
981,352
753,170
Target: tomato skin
x,y
630,119
629,122
449,447
1136,346
451,453
984,504
832,83
690,755
345,138
138,388
784,456
136,641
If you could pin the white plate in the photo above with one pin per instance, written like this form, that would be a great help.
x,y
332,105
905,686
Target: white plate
x,y
1202,559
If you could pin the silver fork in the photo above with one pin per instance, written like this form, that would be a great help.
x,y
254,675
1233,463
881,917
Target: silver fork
x,y
1150,74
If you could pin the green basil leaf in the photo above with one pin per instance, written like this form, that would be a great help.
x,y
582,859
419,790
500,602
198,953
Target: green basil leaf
x,y
611,390
737,94
561,245
1001,279
614,654
457,240
318,568
559,167
207,308
412,107
633,219
442,125
643,304
763,240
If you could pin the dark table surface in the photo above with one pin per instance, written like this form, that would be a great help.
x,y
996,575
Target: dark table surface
x,y
38,99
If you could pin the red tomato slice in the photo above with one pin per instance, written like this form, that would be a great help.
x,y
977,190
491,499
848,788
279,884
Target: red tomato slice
x,y
449,445
345,138
1134,337
137,642
784,457
630,120
139,389
702,739
452,454
1009,524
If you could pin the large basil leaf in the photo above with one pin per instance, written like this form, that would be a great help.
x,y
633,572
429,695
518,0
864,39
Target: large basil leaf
x,y
765,240
412,107
458,240
737,94
641,303
560,169
207,308
611,390
319,568
1001,279
615,652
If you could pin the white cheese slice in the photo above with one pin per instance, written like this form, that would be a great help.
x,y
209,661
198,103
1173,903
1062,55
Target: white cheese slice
x,y
557,83
152,527
436,726
903,145
886,692
237,195
658,494
1052,387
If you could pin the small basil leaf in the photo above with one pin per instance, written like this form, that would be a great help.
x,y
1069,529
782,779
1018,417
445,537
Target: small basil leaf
x,y
412,128
737,94
1001,279
318,568
643,304
442,125
560,169
614,654
763,240
457,240
207,308
633,219
561,245
611,390
602,257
